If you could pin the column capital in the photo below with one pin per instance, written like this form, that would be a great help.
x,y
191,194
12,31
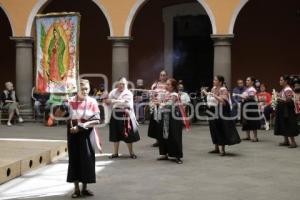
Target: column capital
x,y
120,39
222,40
23,41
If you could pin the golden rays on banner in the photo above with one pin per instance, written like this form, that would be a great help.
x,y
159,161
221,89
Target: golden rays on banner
x,y
57,48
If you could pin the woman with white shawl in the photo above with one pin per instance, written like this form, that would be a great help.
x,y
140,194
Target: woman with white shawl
x,y
82,139
123,124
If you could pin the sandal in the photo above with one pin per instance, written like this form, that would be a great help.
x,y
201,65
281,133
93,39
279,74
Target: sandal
x,y
87,193
76,195
133,156
113,156
214,151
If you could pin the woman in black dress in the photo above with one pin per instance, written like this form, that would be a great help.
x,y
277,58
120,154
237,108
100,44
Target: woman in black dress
x,y
250,112
285,115
171,124
84,115
221,125
158,91
123,124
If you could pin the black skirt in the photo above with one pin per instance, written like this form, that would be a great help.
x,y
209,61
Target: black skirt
x,y
118,127
223,131
153,128
251,120
286,120
81,157
172,146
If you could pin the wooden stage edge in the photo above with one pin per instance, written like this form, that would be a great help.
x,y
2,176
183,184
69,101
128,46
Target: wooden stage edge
x,y
19,156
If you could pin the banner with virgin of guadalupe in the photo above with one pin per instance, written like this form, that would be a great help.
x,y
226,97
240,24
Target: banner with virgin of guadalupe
x,y
57,50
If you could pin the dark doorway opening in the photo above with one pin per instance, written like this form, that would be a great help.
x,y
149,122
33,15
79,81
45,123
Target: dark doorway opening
x,y
7,52
193,51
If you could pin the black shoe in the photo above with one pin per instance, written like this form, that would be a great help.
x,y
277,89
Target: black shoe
x,y
255,140
133,156
87,193
284,144
76,195
178,161
113,156
223,154
246,138
292,146
155,144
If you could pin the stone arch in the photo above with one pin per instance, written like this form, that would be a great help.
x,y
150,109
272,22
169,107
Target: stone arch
x,y
235,15
42,3
140,3
9,19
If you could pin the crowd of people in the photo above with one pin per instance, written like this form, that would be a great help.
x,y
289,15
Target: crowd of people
x,y
168,106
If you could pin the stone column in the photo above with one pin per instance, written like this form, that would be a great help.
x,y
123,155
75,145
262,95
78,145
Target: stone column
x,y
120,57
222,56
24,69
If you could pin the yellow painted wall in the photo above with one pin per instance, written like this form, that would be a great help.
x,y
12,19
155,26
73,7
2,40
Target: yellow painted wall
x,y
223,11
118,11
18,12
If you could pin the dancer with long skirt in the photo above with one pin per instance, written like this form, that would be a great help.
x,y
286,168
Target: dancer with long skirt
x,y
158,91
250,111
84,115
221,125
285,114
170,124
123,124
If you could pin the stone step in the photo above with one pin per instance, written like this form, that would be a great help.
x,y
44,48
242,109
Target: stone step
x,y
21,156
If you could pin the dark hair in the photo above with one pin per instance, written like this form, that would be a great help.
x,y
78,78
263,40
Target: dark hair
x,y
163,71
251,78
174,84
221,79
287,79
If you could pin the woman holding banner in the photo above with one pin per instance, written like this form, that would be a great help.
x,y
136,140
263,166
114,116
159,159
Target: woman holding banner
x,y
83,116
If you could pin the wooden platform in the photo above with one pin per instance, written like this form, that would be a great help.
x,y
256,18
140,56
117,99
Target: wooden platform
x,y
19,156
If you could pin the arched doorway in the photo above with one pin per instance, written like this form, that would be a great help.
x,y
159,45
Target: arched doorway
x,y
7,51
173,35
95,49
266,43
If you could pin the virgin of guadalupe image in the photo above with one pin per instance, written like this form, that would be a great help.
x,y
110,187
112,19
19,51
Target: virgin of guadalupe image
x,y
56,50
56,53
